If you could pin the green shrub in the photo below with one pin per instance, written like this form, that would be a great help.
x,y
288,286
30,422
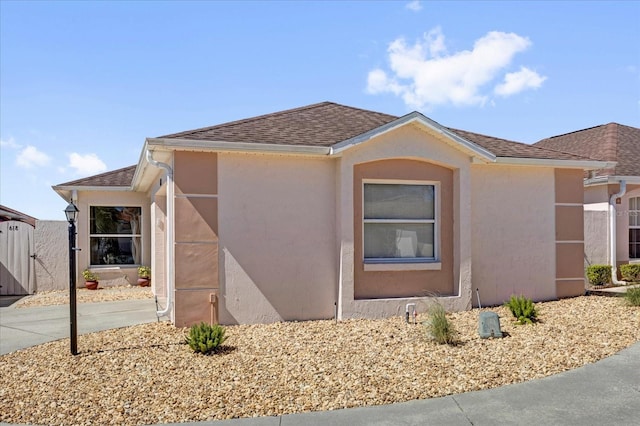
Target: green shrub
x,y
439,327
90,276
630,272
599,274
205,338
633,296
523,309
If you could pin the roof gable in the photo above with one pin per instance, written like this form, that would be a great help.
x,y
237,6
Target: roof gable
x,y
116,178
607,142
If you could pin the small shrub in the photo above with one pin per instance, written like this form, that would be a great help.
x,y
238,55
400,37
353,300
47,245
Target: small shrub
x,y
630,272
523,309
205,338
632,296
144,272
599,274
439,327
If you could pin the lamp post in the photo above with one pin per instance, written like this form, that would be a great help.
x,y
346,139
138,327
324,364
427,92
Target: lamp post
x,y
71,212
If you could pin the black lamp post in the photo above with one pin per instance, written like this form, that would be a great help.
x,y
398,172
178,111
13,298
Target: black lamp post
x,y
71,212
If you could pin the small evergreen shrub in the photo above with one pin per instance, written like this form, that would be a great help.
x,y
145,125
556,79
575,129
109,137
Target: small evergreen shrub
x,y
205,338
630,272
599,274
439,327
90,276
523,309
632,296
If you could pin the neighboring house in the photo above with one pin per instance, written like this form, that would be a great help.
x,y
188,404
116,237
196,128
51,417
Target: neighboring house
x,y
611,195
17,276
328,209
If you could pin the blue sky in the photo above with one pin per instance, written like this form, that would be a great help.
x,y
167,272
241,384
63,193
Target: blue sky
x,y
83,83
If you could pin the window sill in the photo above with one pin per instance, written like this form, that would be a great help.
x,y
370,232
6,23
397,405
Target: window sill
x,y
415,266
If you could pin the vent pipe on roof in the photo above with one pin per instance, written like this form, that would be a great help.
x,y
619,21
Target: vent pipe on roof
x,y
613,231
168,232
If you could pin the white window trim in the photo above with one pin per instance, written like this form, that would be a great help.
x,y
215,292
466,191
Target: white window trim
x,y
637,214
90,235
405,264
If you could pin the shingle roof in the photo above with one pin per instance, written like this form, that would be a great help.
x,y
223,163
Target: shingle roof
x,y
608,142
322,124
10,214
120,177
507,148
325,124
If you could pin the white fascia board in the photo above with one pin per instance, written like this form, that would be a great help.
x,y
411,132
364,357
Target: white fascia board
x,y
236,146
92,188
572,164
416,117
605,180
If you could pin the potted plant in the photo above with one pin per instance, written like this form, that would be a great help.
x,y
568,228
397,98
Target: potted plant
x,y
144,276
90,279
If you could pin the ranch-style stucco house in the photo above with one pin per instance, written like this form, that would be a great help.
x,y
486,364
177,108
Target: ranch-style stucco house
x,y
331,210
611,195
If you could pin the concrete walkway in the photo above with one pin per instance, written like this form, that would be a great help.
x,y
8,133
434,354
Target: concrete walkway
x,y
606,392
24,327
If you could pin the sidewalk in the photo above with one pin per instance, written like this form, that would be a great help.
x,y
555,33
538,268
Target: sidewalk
x,y
606,392
25,327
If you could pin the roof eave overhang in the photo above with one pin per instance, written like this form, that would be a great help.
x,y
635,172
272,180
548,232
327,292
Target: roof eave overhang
x,y
605,180
543,162
200,145
476,151
65,191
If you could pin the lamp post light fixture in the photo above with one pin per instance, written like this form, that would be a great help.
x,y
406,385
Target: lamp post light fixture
x,y
72,212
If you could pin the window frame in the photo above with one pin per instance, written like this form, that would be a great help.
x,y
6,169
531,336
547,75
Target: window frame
x,y
132,235
636,213
403,263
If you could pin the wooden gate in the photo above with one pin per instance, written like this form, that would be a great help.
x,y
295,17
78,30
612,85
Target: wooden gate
x,y
17,273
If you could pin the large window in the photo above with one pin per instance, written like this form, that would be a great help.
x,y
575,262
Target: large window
x,y
115,235
400,222
634,228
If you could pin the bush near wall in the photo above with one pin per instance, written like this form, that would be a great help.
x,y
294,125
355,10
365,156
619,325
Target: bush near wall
x,y
599,274
630,272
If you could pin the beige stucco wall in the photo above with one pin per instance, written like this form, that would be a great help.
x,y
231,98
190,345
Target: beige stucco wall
x,y
51,246
412,142
111,275
513,221
277,249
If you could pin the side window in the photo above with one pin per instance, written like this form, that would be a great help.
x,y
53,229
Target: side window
x,y
115,235
634,228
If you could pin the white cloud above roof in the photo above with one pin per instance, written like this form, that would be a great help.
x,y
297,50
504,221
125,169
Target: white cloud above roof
x,y
425,74
86,164
516,82
414,5
10,143
31,157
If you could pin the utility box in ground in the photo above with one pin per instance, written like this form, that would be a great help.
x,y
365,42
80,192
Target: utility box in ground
x,y
489,325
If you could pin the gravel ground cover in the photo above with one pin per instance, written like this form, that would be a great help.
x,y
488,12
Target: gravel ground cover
x,y
147,375
107,294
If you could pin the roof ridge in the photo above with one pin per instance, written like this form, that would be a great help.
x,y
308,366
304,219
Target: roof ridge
x,y
250,119
576,131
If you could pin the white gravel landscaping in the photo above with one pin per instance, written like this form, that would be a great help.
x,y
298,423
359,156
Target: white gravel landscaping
x,y
146,375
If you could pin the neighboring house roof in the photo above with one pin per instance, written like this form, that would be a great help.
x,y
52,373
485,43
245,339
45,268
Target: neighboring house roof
x,y
115,178
608,142
7,214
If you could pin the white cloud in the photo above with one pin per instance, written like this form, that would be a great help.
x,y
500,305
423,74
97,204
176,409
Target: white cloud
x,y
516,82
87,164
425,74
31,157
10,143
414,5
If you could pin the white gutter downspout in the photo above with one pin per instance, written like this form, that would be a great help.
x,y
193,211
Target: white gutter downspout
x,y
612,232
169,234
